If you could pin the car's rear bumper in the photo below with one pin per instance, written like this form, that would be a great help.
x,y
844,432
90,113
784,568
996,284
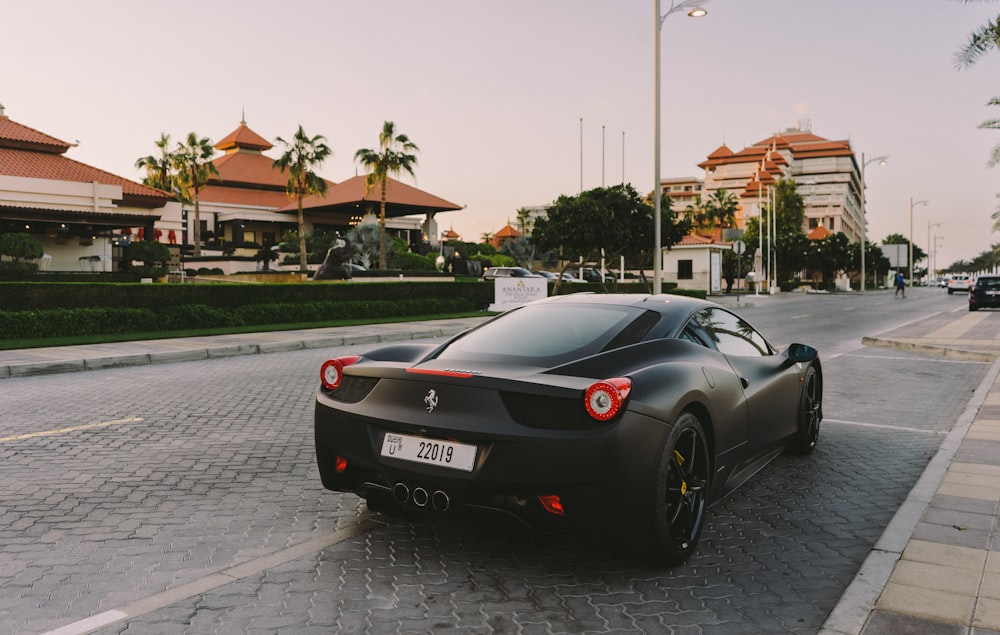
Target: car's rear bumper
x,y
595,473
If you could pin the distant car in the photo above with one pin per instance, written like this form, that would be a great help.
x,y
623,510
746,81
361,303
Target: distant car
x,y
572,412
568,277
548,275
984,293
959,282
508,272
590,274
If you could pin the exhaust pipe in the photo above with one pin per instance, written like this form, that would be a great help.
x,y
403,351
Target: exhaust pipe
x,y
420,497
440,501
401,492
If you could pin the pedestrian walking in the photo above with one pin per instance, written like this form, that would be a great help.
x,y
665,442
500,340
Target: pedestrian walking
x,y
900,284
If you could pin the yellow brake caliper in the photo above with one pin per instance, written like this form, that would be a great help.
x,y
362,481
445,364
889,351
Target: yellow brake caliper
x,y
680,461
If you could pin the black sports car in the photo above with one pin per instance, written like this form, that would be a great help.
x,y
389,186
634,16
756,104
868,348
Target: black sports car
x,y
633,412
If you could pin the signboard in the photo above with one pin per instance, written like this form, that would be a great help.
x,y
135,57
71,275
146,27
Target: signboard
x,y
898,255
511,292
716,271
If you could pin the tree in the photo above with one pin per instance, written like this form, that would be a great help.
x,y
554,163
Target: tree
x,y
194,167
301,154
159,169
829,255
981,41
720,208
874,257
520,249
614,219
790,243
696,213
524,221
393,157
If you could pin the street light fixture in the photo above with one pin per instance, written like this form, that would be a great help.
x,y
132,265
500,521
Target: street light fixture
x,y
882,160
695,9
913,204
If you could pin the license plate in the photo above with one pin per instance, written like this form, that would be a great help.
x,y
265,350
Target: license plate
x,y
457,456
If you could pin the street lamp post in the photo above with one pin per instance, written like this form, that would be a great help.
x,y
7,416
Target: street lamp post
x,y
864,220
913,204
930,249
694,10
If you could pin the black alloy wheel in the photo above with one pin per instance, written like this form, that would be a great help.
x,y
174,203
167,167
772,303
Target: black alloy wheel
x,y
810,413
682,491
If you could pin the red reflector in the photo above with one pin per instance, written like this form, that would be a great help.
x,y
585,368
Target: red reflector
x,y
445,373
552,504
341,464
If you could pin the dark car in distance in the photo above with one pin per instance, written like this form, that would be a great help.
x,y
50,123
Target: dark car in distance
x,y
984,293
628,414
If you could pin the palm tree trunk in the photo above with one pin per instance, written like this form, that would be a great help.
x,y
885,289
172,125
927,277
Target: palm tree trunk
x,y
197,226
383,258
303,257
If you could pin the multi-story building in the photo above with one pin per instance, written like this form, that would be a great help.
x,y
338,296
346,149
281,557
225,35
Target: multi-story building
x,y
826,174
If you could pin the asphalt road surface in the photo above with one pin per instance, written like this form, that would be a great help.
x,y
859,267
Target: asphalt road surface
x,y
184,498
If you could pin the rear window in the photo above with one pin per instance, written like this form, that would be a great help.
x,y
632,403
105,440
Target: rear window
x,y
988,283
548,335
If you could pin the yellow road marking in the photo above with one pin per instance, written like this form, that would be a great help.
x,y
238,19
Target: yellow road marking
x,y
88,426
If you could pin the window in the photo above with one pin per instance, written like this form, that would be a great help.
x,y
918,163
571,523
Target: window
x,y
685,269
729,334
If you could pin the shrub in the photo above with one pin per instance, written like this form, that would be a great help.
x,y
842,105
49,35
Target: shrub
x,y
20,246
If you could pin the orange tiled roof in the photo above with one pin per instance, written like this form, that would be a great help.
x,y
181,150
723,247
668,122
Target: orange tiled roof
x,y
243,137
16,135
695,239
250,169
47,165
819,233
218,193
408,199
507,232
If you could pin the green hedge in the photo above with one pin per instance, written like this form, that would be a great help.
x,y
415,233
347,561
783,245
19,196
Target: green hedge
x,y
105,320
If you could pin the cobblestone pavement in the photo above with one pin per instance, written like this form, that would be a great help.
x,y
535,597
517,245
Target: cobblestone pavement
x,y
183,498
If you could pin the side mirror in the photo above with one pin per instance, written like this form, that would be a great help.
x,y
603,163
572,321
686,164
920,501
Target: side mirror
x,y
801,353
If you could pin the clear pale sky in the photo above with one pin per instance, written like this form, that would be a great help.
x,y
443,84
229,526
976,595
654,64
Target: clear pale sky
x,y
493,91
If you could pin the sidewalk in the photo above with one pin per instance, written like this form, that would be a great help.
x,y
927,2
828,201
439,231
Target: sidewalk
x,y
936,568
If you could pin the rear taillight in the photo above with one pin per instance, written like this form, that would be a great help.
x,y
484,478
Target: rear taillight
x,y
605,399
331,373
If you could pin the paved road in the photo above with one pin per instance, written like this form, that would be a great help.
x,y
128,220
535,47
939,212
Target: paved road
x,y
183,498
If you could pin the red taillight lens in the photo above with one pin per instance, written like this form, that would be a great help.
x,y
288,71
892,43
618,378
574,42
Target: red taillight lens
x,y
552,504
331,373
605,398
341,464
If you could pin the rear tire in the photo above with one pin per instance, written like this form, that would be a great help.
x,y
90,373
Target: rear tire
x,y
677,510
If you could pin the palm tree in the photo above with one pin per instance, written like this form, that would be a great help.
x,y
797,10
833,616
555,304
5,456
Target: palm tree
x,y
301,154
721,208
983,40
192,160
159,170
391,159
524,221
696,213
486,237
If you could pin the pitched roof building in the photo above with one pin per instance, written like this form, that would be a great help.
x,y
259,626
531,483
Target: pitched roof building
x,y
248,201
70,207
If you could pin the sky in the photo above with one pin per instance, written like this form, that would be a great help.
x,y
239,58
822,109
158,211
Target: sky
x,y
516,102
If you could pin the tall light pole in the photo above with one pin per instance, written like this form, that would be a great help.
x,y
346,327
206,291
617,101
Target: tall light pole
x,y
694,10
913,204
864,220
930,248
